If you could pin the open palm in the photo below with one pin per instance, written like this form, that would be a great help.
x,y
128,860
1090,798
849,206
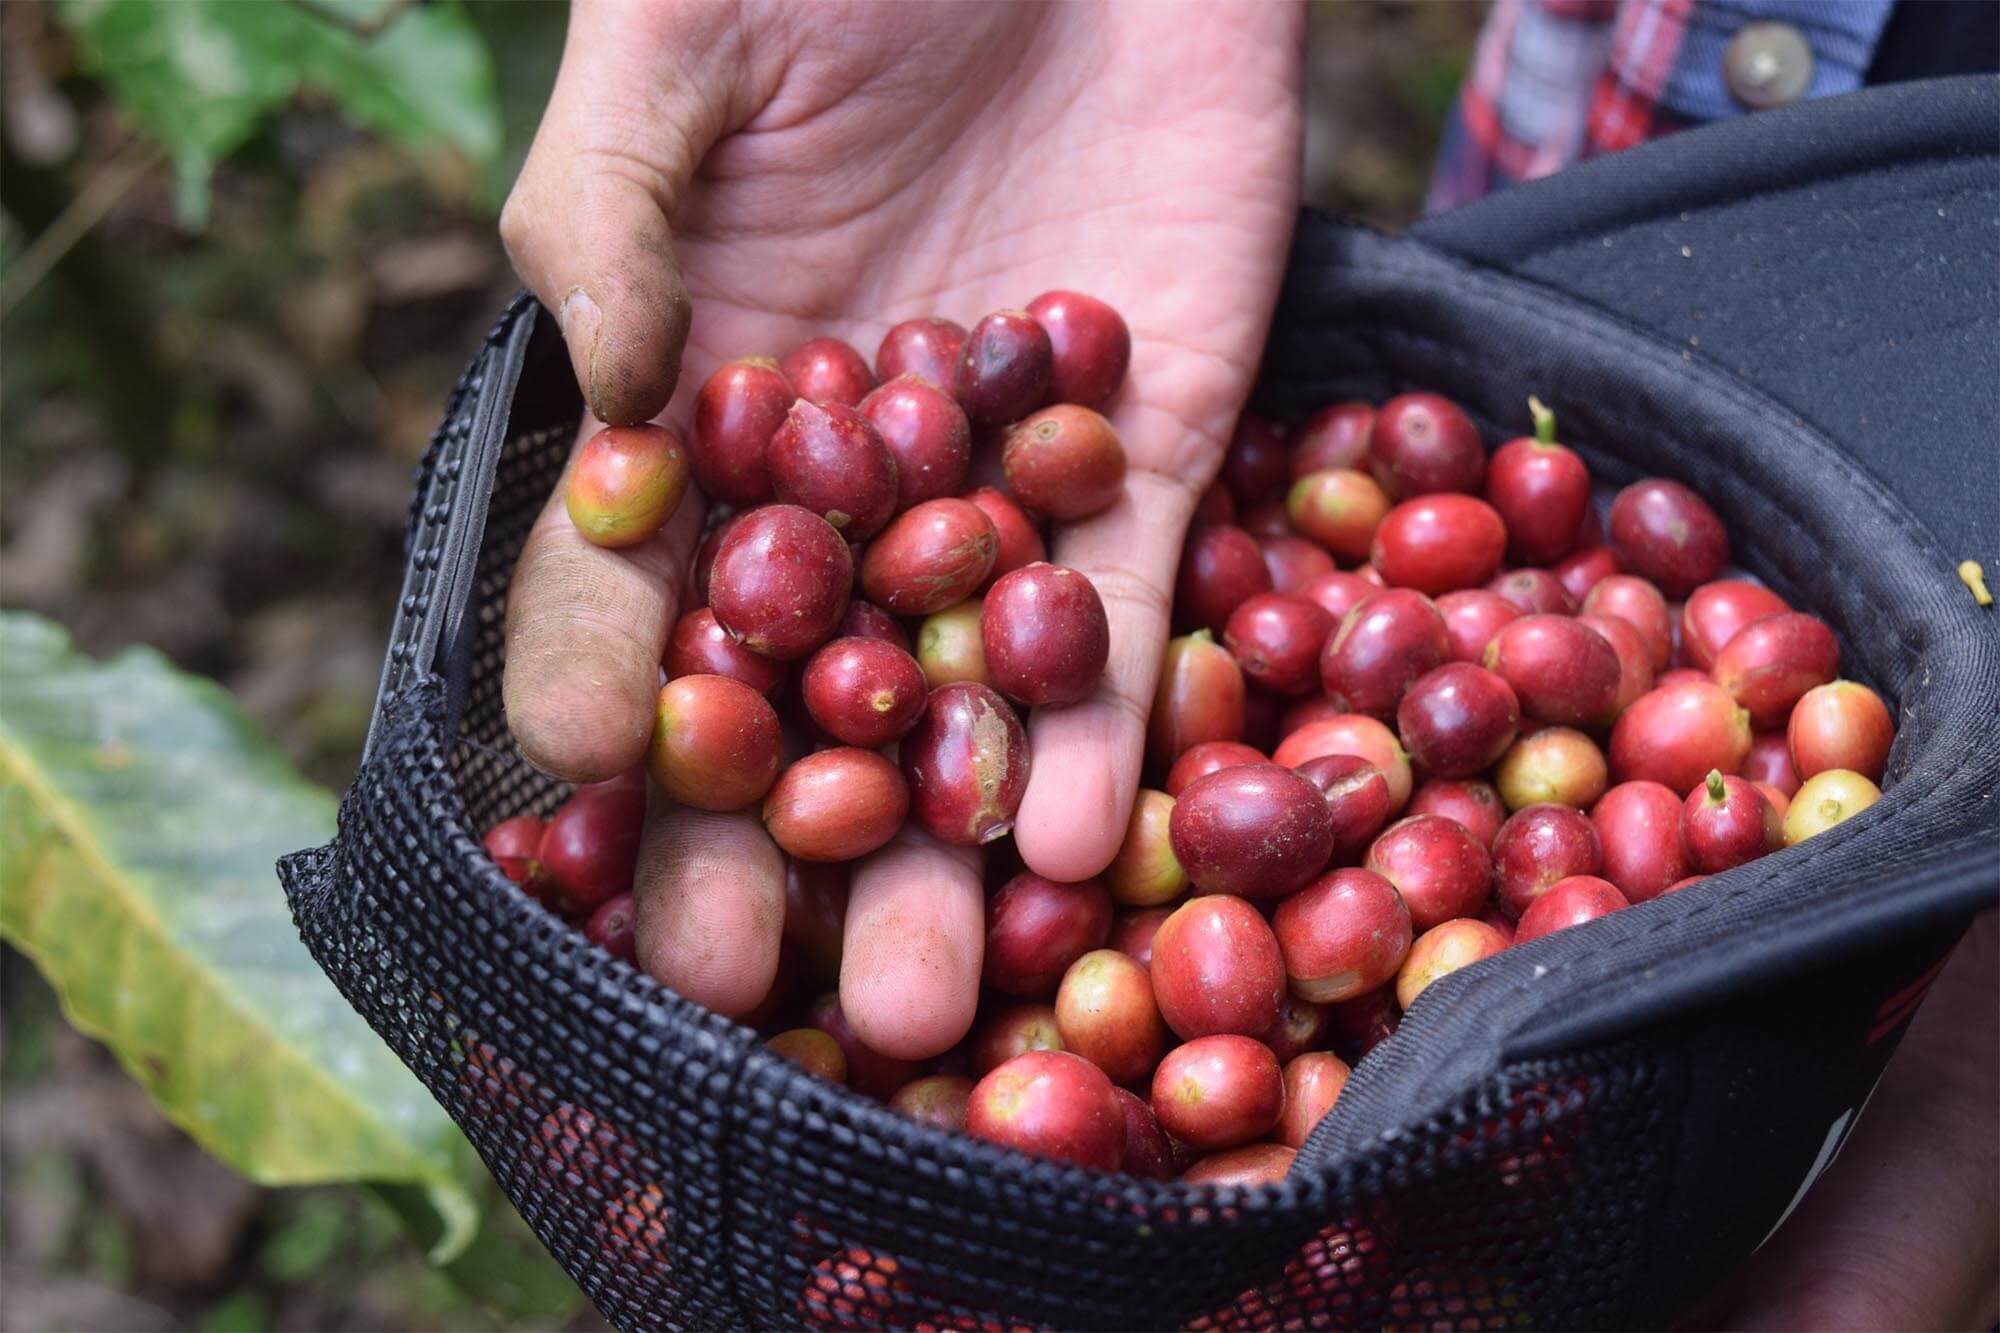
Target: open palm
x,y
836,169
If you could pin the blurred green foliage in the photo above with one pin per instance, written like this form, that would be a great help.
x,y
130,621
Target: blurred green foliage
x,y
200,75
209,431
142,816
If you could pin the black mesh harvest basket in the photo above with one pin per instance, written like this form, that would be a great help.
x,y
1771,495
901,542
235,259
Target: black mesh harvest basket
x,y
1795,315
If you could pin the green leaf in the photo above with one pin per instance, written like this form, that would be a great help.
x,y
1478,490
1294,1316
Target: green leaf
x,y
504,1270
198,75
526,39
427,78
238,1312
142,817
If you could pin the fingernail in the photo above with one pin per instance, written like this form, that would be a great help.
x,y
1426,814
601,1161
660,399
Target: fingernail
x,y
581,320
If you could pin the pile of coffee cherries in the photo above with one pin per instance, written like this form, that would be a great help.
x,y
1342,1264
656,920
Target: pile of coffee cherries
x,y
1425,704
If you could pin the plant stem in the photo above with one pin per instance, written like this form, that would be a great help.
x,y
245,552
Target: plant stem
x,y
139,394
1545,420
90,207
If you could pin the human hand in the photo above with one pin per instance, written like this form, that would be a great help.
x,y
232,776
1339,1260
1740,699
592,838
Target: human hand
x,y
737,179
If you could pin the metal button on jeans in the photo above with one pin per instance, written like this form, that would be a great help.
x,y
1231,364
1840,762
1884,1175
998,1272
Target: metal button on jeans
x,y
1767,65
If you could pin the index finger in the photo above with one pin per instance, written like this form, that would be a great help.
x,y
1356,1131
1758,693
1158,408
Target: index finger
x,y
586,627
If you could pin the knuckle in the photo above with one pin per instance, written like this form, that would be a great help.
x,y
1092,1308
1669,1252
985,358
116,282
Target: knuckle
x,y
1127,595
622,169
518,224
1128,707
1175,486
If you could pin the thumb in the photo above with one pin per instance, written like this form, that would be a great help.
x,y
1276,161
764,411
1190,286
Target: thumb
x,y
588,223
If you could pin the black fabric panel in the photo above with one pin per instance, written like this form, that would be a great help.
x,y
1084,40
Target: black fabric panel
x,y
1841,255
1369,316
1789,1069
1932,39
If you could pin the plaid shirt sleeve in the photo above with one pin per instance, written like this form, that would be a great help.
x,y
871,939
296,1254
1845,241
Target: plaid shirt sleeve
x,y
1558,81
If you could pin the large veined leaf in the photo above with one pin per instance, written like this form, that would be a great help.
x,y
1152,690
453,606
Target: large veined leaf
x,y
141,817
199,74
